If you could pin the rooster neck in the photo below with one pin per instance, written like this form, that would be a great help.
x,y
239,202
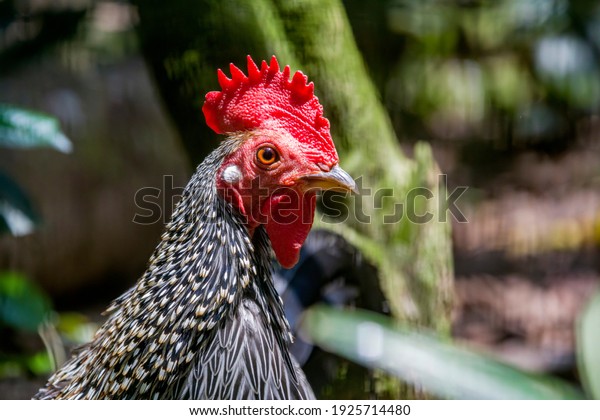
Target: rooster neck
x,y
204,267
209,260
206,264
239,256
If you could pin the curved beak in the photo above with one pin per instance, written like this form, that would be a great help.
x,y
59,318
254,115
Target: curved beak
x,y
335,180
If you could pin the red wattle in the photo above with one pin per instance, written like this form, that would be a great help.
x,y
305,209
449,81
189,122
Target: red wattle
x,y
290,216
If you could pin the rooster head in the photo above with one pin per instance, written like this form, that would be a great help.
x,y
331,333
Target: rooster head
x,y
284,152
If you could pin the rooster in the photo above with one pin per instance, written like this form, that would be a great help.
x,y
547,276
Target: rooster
x,y
205,321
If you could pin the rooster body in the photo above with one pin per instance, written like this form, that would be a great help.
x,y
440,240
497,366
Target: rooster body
x,y
205,321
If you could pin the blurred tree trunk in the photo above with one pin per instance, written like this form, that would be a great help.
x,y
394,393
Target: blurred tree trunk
x,y
185,42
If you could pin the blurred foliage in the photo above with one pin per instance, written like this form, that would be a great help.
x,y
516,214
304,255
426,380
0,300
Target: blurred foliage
x,y
515,71
19,129
29,28
588,345
25,312
23,306
75,328
434,365
23,364
17,215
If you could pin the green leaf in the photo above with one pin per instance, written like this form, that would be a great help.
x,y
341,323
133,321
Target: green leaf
x,y
17,215
39,363
23,305
588,347
21,365
76,327
439,367
20,128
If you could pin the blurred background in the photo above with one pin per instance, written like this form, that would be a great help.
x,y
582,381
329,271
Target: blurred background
x,y
506,93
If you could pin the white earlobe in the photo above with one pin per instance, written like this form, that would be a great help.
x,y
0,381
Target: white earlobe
x,y
231,174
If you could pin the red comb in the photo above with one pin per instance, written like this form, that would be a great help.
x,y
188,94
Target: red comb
x,y
267,98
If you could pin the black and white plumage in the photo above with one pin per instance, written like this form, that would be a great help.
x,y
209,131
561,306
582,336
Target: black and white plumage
x,y
204,321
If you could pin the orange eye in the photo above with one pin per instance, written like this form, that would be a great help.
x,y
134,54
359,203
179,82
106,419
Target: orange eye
x,y
267,155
